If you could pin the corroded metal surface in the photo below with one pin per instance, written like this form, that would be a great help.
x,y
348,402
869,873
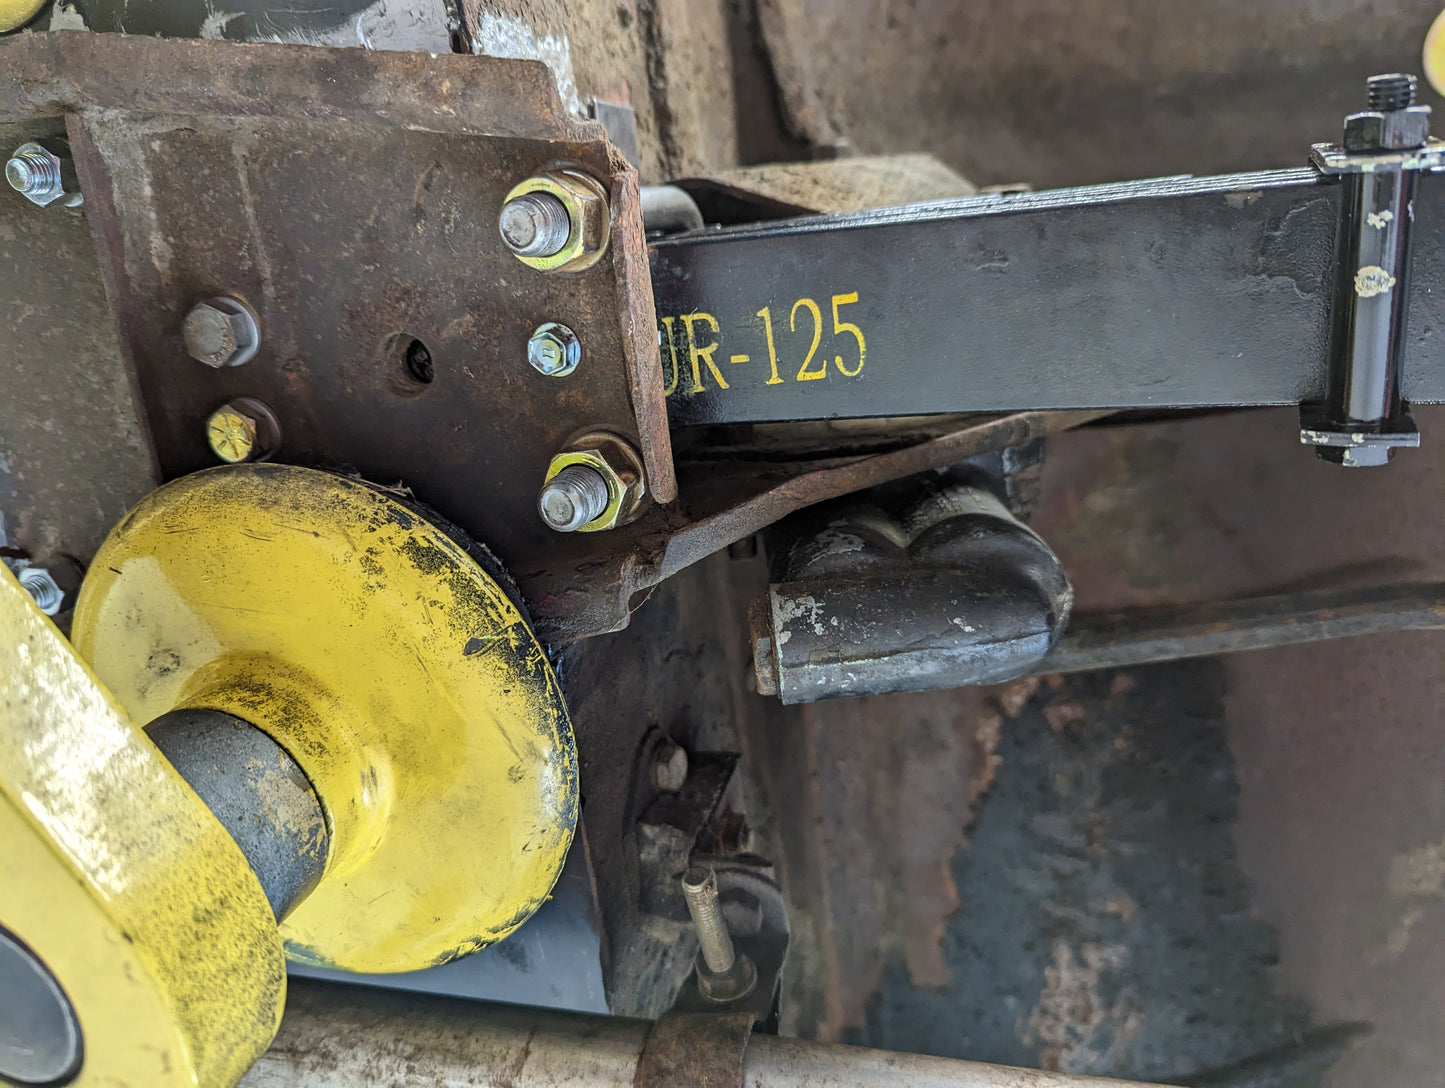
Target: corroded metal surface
x,y
227,176
722,504
695,1050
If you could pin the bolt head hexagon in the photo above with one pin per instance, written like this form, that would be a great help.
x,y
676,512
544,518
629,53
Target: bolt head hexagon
x,y
36,173
221,332
587,216
554,350
244,429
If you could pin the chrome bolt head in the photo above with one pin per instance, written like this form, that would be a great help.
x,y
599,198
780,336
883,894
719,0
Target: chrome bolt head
x,y
36,174
554,350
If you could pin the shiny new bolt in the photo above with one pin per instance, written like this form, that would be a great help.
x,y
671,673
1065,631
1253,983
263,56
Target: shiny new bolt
x,y
41,585
554,350
36,174
535,225
572,498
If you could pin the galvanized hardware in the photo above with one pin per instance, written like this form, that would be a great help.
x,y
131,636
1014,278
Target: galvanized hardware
x,y
1364,417
42,587
221,332
257,791
668,768
554,350
603,458
243,430
945,589
40,1040
109,861
279,596
588,220
40,173
535,225
723,974
572,498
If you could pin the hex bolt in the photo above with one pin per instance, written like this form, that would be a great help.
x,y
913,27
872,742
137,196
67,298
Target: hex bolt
x,y
554,350
557,221
576,495
42,587
722,973
243,430
30,174
221,332
40,174
1395,91
669,766
535,225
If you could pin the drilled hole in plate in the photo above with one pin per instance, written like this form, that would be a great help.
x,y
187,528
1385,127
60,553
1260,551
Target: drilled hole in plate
x,y
409,362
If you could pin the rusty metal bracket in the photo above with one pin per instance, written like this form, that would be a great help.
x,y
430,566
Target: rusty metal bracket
x,y
695,1050
351,198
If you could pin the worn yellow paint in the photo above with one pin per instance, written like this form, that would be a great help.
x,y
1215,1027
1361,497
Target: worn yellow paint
x,y
117,875
231,435
16,13
397,673
1433,54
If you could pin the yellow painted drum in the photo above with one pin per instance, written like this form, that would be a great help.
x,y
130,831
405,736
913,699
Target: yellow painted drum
x,y
396,672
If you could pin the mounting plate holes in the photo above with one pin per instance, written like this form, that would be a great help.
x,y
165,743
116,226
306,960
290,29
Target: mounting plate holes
x,y
418,362
409,364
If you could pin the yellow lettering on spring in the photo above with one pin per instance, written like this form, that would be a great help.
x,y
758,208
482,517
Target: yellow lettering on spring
x,y
841,327
671,387
697,355
767,317
804,374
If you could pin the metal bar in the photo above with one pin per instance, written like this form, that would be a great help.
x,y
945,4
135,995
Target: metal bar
x,y
775,1062
709,534
1172,293
1138,637
336,1036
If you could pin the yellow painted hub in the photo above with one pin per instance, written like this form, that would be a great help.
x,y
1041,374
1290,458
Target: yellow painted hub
x,y
1433,54
16,13
395,671
119,878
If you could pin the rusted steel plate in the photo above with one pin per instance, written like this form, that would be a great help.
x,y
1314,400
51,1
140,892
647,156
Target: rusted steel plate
x,y
351,198
720,504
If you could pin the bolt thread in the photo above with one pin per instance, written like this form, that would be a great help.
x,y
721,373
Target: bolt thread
x,y
42,589
32,174
576,495
1395,91
699,888
535,225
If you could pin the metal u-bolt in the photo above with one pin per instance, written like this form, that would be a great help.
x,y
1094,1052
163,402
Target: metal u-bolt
x,y
1364,417
723,974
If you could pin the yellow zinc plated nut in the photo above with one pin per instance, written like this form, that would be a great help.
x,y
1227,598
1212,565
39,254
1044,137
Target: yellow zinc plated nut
x,y
244,429
587,212
616,462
